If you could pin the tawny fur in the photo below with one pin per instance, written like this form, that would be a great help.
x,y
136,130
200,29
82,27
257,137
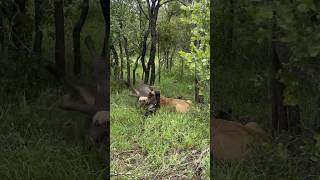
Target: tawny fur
x,y
175,105
231,139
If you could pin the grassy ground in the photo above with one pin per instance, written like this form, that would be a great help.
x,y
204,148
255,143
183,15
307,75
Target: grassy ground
x,y
166,145
40,141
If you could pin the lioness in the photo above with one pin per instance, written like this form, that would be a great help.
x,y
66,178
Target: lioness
x,y
231,139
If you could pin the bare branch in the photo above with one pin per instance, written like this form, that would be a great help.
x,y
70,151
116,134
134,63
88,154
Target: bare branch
x,y
141,9
183,3
165,2
149,7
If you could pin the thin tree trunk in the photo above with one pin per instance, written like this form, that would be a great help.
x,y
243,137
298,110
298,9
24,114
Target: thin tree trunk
x,y
134,70
105,6
125,40
76,37
182,66
171,58
167,60
144,51
284,117
116,59
121,59
279,115
38,13
159,64
60,43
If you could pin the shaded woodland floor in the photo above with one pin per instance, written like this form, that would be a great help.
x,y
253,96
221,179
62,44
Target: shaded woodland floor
x,y
166,145
40,141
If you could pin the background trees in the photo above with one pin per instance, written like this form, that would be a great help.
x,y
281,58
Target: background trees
x,y
264,60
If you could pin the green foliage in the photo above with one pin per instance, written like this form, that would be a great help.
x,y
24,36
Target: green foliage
x,y
125,23
297,28
198,57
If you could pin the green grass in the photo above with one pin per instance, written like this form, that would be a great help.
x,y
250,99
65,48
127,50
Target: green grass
x,y
165,145
40,141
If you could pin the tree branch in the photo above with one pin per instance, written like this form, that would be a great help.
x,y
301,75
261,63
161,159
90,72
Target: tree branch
x,y
149,8
141,9
165,2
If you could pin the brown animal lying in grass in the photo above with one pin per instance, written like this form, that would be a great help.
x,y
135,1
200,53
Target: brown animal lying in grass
x,y
174,105
147,96
232,140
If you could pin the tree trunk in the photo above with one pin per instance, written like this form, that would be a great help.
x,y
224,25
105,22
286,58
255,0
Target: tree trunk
x,y
182,66
116,61
144,50
279,116
167,60
171,58
153,16
125,40
105,7
38,13
153,49
284,117
76,37
121,59
60,44
196,89
159,64
134,70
